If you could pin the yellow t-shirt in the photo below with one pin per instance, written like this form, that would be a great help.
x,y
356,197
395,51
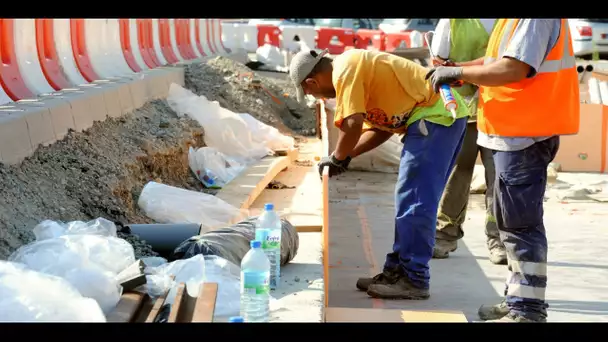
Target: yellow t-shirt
x,y
383,87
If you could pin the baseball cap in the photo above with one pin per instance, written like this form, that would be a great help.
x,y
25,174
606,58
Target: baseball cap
x,y
301,66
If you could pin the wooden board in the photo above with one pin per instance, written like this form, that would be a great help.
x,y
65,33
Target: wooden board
x,y
127,307
242,191
351,315
301,206
326,235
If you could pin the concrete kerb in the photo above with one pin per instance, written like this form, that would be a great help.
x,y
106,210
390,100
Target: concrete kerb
x,y
26,124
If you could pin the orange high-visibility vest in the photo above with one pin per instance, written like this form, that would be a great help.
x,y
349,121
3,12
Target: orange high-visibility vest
x,y
544,105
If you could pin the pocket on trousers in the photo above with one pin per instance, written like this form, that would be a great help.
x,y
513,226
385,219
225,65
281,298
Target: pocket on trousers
x,y
521,197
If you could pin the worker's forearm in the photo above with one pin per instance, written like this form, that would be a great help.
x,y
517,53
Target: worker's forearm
x,y
369,141
494,74
349,135
478,61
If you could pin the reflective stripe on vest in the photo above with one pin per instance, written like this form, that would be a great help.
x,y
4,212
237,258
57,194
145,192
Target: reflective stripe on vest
x,y
543,105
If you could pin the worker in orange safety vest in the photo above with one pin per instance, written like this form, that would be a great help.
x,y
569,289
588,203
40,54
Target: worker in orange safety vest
x,y
529,96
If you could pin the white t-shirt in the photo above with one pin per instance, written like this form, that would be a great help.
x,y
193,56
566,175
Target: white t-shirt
x,y
441,39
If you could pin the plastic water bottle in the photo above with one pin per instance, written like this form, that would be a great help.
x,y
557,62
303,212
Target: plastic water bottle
x,y
268,231
236,319
255,291
209,179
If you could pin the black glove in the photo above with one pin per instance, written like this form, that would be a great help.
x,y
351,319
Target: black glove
x,y
443,75
335,166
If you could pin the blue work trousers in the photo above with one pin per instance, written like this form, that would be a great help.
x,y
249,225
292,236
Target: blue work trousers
x,y
426,163
519,190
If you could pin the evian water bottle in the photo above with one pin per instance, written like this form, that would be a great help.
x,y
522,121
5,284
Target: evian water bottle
x,y
268,231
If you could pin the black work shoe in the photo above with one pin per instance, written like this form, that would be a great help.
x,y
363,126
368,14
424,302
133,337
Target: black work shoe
x,y
493,312
443,248
386,277
498,255
515,318
402,289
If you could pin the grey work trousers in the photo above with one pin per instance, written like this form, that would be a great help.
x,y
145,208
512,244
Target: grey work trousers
x,y
455,199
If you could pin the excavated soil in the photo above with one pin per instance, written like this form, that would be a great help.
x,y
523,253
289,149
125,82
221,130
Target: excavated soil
x,y
101,172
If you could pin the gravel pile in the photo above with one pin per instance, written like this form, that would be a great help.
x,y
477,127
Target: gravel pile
x,y
230,83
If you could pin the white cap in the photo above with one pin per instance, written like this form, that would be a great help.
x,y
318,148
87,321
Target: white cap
x,y
301,66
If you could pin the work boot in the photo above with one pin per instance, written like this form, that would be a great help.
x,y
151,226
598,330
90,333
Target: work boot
x,y
515,318
498,255
443,248
386,277
402,289
493,312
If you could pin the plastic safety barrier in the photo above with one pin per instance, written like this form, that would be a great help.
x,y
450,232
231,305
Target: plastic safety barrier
x,y
375,38
306,35
268,34
325,36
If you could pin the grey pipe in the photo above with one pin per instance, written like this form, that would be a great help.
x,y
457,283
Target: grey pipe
x,y
164,238
589,68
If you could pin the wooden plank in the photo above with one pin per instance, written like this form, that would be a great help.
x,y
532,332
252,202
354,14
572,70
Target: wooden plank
x,y
352,315
178,303
326,234
242,191
127,307
158,305
205,304
302,205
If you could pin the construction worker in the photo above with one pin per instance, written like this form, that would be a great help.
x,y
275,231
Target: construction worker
x,y
377,95
456,41
529,96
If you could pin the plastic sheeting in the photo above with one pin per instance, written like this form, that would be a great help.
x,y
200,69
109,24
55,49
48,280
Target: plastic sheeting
x,y
86,254
232,243
31,296
168,204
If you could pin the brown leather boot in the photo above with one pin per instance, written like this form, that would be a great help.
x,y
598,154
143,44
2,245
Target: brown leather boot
x,y
443,248
386,277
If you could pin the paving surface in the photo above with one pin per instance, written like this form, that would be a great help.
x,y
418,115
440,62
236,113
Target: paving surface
x,y
578,268
300,295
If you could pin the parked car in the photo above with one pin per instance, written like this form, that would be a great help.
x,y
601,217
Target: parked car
x,y
354,24
403,25
588,36
283,22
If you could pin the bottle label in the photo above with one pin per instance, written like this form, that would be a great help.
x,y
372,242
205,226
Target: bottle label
x,y
270,238
255,283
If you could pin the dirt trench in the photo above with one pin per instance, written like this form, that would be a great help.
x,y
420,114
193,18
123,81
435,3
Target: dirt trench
x,y
101,172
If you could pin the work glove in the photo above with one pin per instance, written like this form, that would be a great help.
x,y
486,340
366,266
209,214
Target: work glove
x,y
335,166
443,75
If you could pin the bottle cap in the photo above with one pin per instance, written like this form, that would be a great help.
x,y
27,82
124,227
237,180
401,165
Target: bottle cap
x,y
268,206
236,319
255,244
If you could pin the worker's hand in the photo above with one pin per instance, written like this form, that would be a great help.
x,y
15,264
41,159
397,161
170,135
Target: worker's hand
x,y
442,62
335,166
443,75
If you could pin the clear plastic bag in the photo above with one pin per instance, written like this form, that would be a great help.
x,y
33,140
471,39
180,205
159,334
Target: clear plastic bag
x,y
194,272
168,204
265,134
30,296
89,262
48,229
211,159
225,131
384,158
270,55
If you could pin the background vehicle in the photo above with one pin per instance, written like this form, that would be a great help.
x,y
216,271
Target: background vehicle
x,y
354,24
282,22
589,35
403,25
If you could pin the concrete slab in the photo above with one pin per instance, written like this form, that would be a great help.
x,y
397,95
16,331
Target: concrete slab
x,y
577,265
299,297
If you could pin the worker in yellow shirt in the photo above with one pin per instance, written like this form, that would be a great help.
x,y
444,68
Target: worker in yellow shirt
x,y
377,95
529,96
